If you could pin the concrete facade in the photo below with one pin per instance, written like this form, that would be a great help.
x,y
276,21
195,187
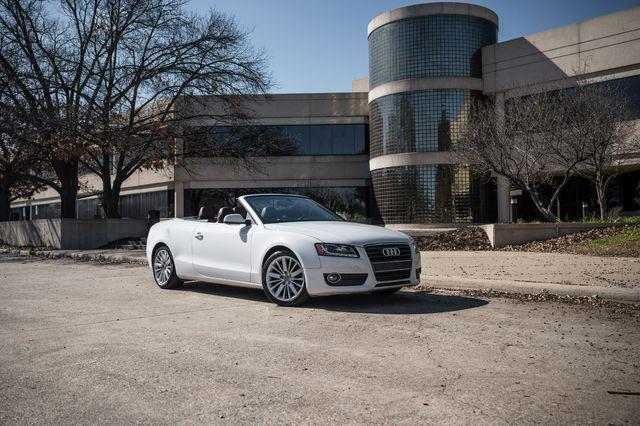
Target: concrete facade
x,y
70,233
429,83
425,9
270,172
604,48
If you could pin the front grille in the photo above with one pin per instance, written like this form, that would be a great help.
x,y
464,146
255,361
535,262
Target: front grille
x,y
393,267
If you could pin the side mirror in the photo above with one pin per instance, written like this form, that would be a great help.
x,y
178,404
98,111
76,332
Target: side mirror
x,y
233,219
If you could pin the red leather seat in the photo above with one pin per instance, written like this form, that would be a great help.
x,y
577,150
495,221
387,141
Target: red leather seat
x,y
240,210
223,212
207,213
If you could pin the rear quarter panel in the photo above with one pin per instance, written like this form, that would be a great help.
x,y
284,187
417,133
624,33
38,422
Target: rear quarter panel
x,y
177,235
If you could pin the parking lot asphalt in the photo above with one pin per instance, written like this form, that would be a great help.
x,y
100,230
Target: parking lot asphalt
x,y
89,343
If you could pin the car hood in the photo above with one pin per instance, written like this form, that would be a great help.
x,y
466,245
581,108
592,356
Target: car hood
x,y
342,232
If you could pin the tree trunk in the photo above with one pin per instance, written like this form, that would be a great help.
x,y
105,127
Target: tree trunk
x,y
67,173
5,200
111,203
601,193
68,198
602,200
547,213
111,197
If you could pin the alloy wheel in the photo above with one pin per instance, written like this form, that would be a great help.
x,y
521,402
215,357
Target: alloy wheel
x,y
285,278
162,267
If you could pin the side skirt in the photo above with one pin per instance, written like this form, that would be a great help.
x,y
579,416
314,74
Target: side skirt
x,y
234,283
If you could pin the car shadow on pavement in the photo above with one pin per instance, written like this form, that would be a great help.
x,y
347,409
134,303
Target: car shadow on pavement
x,y
401,303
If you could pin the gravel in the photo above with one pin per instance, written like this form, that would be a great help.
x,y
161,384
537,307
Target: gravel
x,y
101,344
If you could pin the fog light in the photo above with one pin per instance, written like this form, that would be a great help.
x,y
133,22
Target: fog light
x,y
334,277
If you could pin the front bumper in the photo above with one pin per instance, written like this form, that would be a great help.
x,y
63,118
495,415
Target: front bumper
x,y
317,284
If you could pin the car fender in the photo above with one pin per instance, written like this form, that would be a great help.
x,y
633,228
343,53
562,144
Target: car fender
x,y
301,245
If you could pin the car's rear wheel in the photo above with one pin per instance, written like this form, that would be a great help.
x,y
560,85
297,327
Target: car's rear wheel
x,y
164,270
283,279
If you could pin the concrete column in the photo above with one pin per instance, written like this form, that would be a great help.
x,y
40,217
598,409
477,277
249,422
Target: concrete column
x,y
178,186
178,199
503,187
504,204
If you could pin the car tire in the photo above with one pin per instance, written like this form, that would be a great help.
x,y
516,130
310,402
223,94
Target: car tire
x,y
164,269
283,279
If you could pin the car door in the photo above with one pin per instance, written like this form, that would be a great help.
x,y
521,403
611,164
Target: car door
x,y
222,251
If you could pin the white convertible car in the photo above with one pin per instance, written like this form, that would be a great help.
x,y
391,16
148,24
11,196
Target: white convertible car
x,y
288,245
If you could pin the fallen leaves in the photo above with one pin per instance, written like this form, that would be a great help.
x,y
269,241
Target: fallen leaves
x,y
578,243
470,238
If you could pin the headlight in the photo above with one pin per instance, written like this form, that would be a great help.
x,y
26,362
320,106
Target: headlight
x,y
338,250
414,246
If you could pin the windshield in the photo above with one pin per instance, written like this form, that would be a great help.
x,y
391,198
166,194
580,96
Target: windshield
x,y
284,208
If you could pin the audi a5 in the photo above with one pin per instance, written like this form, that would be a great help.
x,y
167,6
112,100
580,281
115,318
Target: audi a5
x,y
287,245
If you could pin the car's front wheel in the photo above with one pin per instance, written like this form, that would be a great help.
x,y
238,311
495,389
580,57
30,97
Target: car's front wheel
x,y
283,279
164,270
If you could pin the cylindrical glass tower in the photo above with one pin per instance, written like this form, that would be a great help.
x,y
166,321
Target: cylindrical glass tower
x,y
425,69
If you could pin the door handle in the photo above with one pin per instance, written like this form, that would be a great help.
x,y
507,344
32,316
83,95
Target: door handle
x,y
199,236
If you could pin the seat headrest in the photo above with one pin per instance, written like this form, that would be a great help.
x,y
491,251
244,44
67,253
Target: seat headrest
x,y
223,212
207,213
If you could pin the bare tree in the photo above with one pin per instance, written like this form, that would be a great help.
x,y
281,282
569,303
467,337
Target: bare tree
x,y
601,126
18,160
523,143
45,88
106,81
13,186
546,138
153,61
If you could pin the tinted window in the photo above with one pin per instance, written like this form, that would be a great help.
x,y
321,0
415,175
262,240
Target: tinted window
x,y
434,193
421,121
318,139
429,46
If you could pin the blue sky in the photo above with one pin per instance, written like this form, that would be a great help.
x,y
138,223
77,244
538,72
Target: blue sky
x,y
321,45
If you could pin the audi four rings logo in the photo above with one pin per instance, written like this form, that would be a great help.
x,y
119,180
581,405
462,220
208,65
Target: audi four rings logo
x,y
391,251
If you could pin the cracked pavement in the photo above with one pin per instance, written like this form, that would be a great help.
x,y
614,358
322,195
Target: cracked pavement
x,y
90,343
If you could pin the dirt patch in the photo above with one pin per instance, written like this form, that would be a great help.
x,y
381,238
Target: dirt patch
x,y
460,239
611,308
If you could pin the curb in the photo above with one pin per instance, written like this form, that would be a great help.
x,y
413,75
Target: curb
x,y
76,255
613,294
